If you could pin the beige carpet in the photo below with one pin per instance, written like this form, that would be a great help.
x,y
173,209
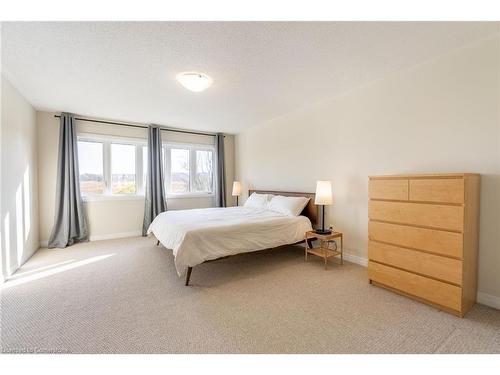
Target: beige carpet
x,y
124,296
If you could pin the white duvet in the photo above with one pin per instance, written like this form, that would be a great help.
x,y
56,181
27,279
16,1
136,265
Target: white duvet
x,y
209,233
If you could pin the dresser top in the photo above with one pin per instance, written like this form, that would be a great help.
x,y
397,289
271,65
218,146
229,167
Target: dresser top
x,y
424,175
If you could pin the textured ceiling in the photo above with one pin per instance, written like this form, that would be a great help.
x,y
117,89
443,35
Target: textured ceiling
x,y
126,70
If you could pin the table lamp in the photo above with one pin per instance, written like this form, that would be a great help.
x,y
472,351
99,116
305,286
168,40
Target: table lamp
x,y
236,190
323,198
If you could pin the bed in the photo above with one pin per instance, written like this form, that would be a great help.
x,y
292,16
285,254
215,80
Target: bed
x,y
202,235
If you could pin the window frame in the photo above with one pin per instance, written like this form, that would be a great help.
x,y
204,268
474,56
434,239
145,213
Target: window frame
x,y
192,147
106,141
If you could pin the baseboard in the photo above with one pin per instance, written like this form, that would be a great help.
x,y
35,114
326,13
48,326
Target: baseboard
x,y
100,237
111,236
488,300
356,259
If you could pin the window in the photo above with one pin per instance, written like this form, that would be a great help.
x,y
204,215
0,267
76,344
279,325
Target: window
x,y
123,169
117,167
111,166
90,155
189,169
179,171
203,175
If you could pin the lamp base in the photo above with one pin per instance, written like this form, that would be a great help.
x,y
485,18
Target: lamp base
x,y
321,231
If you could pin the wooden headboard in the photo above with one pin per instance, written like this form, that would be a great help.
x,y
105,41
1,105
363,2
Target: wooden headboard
x,y
310,211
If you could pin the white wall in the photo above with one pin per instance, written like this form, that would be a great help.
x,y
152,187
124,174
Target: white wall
x,y
112,218
18,180
440,116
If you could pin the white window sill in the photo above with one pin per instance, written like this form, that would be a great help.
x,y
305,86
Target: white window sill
x,y
135,197
109,197
190,195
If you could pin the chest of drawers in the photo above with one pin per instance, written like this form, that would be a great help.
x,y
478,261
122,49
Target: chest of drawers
x,y
423,237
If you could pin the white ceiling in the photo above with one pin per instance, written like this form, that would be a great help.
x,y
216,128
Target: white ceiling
x,y
126,70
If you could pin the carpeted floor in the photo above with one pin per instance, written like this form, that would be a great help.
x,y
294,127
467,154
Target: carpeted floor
x,y
124,296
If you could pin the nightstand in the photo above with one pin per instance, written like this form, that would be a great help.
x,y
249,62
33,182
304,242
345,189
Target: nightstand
x,y
324,251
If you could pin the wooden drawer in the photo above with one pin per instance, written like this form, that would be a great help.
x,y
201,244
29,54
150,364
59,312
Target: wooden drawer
x,y
445,190
392,189
427,215
436,241
426,264
419,286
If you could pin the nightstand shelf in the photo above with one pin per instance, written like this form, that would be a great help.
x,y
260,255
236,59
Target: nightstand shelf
x,y
323,250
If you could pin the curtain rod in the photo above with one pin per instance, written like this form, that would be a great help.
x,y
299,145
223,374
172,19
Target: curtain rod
x,y
140,126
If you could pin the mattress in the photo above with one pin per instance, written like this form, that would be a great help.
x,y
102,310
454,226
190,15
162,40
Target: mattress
x,y
198,235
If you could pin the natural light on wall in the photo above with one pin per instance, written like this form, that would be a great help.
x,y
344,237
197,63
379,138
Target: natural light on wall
x,y
27,203
6,231
2,275
19,224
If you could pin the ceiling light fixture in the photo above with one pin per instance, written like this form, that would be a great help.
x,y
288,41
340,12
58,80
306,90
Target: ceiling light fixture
x,y
194,81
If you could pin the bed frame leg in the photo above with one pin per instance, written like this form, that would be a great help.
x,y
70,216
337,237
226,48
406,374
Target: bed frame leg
x,y
158,243
188,275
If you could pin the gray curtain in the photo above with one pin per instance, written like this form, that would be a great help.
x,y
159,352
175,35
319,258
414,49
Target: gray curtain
x,y
155,202
220,193
70,223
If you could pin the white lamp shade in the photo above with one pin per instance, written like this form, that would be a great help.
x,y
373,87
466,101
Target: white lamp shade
x,y
323,193
236,189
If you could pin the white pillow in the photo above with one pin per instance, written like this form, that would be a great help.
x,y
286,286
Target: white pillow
x,y
258,200
290,206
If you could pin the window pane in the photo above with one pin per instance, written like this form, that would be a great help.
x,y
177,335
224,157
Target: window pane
x,y
122,169
179,170
144,165
203,178
90,163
